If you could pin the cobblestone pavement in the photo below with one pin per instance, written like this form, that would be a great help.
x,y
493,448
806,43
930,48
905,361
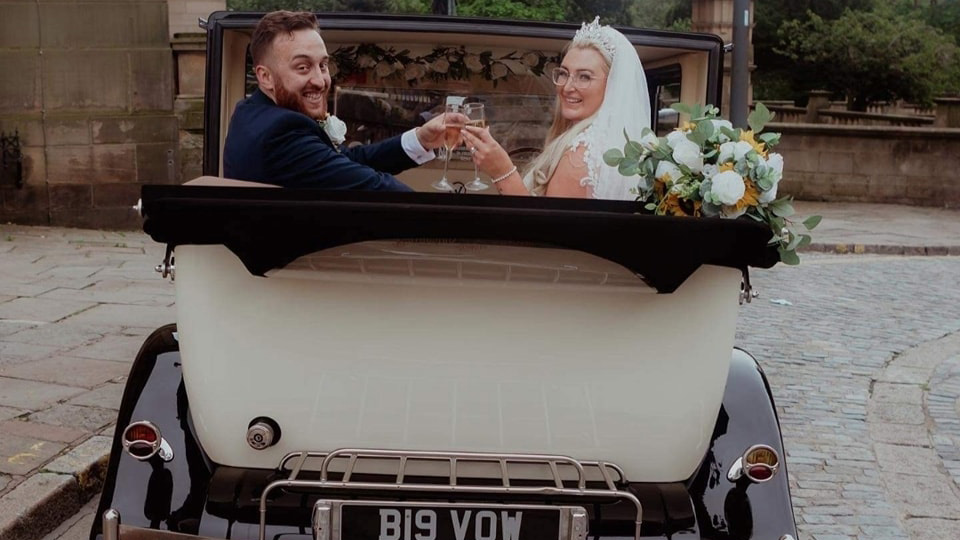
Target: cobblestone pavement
x,y
862,351
863,355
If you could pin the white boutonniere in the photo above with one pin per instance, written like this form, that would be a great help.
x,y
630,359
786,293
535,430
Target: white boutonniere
x,y
335,128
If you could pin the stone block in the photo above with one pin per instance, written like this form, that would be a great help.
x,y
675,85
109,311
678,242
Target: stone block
x,y
134,129
106,397
907,460
152,79
19,27
887,188
898,393
158,163
836,162
83,372
87,463
851,187
32,395
190,113
191,73
797,160
97,218
34,166
37,309
89,419
115,195
19,92
86,79
44,432
24,454
66,131
28,127
70,196
37,505
103,24
70,164
114,163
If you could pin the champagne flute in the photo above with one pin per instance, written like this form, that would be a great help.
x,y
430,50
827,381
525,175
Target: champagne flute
x,y
451,137
475,117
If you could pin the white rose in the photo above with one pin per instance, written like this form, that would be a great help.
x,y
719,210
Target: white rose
x,y
366,61
709,171
728,187
414,72
649,141
516,67
335,129
667,172
775,161
688,153
473,63
768,196
674,137
440,65
383,69
498,71
531,59
719,123
733,151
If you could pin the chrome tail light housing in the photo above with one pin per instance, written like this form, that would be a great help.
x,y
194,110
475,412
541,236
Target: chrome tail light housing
x,y
143,440
758,464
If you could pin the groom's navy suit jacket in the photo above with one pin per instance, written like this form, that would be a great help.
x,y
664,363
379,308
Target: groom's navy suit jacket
x,y
270,144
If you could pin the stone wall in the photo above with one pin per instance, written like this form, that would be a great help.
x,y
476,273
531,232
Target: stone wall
x,y
89,87
905,165
184,14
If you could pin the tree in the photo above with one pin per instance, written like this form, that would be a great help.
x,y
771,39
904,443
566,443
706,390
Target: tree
x,y
877,55
539,10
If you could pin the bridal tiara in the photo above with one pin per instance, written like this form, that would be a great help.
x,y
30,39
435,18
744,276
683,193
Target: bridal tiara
x,y
593,33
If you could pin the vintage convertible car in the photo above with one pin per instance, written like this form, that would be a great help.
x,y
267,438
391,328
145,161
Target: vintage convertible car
x,y
433,366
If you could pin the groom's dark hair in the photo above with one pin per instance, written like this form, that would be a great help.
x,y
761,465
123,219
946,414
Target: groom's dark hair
x,y
275,23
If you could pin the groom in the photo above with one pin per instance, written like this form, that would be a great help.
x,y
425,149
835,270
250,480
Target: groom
x,y
274,136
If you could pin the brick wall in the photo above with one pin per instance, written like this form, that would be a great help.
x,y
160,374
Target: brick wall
x,y
89,86
877,164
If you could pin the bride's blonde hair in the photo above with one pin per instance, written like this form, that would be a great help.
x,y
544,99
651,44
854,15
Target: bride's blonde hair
x,y
560,137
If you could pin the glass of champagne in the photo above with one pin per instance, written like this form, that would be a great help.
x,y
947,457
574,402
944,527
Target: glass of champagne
x,y
451,137
475,117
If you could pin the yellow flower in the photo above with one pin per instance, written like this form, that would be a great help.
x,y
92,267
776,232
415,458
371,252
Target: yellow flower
x,y
750,194
747,136
687,126
728,166
673,205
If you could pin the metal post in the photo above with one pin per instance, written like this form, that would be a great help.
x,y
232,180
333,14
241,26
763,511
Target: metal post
x,y
451,7
740,69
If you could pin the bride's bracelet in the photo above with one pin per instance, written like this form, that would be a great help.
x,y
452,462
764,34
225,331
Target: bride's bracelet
x,y
504,175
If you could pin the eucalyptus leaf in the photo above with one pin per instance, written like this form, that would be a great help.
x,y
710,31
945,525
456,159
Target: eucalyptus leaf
x,y
770,139
805,240
629,167
788,257
612,157
781,208
812,222
759,118
633,150
732,134
651,206
682,108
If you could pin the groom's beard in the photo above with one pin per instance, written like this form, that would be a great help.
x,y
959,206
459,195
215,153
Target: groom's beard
x,y
291,100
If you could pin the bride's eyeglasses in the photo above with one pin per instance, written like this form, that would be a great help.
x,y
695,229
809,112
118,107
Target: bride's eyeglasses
x,y
581,80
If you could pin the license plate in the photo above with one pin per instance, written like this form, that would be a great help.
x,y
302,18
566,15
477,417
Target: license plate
x,y
381,520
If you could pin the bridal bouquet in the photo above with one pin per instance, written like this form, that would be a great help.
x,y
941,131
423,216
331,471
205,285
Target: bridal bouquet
x,y
708,168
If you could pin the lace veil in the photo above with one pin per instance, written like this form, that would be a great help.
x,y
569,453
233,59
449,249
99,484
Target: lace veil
x,y
626,105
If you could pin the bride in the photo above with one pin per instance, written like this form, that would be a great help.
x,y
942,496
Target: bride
x,y
601,90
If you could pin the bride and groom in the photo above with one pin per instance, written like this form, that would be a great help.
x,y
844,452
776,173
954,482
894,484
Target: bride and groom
x,y
274,136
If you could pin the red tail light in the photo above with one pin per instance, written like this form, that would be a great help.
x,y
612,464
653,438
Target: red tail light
x,y
142,440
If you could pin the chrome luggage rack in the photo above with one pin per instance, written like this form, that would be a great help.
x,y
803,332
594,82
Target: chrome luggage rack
x,y
295,463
